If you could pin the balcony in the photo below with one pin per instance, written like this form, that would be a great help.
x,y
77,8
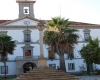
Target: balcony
x,y
27,57
52,58
33,58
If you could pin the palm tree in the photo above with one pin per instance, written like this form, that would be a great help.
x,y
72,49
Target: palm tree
x,y
7,46
61,38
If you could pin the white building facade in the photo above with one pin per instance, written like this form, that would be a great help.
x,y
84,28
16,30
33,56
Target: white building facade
x,y
26,34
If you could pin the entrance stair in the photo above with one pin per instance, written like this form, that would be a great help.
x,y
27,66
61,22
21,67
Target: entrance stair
x,y
46,74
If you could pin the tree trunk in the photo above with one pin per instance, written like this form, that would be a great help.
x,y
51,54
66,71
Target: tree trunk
x,y
62,63
5,66
88,68
62,60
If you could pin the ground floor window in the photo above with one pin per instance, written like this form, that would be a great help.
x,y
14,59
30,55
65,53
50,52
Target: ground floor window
x,y
71,66
3,70
52,65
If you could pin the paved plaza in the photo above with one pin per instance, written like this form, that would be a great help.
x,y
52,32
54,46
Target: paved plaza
x,y
89,77
81,78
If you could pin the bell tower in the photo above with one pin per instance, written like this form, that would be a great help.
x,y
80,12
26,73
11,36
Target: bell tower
x,y
26,7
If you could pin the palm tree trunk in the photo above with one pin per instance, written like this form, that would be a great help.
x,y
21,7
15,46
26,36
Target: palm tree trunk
x,y
62,59
62,63
5,66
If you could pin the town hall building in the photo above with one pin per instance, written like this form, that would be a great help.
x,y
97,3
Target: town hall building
x,y
24,30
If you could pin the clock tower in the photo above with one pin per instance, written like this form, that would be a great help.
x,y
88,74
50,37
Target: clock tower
x,y
26,7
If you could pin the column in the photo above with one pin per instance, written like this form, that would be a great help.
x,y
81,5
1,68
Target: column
x,y
41,61
40,28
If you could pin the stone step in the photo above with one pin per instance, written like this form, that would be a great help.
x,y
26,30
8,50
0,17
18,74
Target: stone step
x,y
46,74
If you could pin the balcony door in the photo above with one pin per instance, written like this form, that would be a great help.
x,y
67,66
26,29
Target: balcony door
x,y
28,53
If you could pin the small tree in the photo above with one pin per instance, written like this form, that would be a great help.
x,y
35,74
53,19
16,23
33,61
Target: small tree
x,y
91,53
7,46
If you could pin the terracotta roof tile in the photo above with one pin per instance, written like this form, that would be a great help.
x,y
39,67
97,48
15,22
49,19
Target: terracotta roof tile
x,y
2,21
80,23
72,22
77,23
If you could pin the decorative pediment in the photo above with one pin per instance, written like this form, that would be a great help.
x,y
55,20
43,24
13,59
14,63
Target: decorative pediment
x,y
21,22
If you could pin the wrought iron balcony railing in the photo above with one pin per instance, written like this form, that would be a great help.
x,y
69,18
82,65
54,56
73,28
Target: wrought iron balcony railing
x,y
27,57
32,58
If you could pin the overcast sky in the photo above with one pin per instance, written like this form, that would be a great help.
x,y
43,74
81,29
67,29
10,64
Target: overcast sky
x,y
76,10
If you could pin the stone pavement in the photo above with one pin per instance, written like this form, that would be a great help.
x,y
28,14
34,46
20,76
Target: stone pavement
x,y
82,78
89,77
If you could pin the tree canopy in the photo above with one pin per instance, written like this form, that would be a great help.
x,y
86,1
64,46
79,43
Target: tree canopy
x,y
7,46
60,35
91,51
61,38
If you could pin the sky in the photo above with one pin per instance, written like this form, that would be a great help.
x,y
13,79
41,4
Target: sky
x,y
87,11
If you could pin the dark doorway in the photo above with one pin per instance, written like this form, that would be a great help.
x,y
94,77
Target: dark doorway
x,y
27,53
28,66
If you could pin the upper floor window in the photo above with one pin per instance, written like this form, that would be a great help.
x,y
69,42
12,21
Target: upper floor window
x,y
51,54
27,53
86,34
27,36
71,66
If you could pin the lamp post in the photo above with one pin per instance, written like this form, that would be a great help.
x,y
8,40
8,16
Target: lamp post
x,y
41,60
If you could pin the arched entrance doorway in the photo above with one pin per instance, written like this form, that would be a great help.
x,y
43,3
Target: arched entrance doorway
x,y
28,66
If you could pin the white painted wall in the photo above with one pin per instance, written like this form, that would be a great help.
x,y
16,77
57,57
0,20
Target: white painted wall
x,y
19,36
78,62
53,62
95,33
11,68
21,22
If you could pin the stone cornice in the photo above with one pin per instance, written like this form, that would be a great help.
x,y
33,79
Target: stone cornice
x,y
28,17
35,27
27,42
37,42
17,27
47,48
85,26
3,32
9,61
